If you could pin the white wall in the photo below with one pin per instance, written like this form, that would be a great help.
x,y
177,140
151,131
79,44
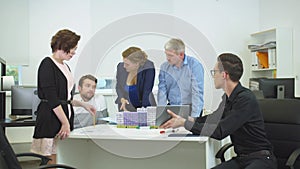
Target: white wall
x,y
45,19
279,13
14,45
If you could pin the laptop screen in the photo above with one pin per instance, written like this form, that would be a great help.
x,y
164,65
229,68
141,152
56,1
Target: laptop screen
x,y
162,115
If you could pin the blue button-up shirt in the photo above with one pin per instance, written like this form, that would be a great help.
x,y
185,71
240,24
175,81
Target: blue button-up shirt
x,y
184,85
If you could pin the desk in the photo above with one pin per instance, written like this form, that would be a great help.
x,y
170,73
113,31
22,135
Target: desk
x,y
105,146
12,123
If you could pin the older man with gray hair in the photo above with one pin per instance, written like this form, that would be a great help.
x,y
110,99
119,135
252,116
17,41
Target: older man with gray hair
x,y
181,79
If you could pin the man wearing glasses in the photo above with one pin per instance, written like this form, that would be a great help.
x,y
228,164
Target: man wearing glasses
x,y
237,116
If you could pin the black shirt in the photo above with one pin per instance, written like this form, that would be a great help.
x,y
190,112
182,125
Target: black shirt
x,y
52,86
238,116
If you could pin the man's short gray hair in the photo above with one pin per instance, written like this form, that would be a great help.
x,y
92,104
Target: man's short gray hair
x,y
175,44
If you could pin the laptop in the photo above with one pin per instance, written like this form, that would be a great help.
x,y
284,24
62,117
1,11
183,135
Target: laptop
x,y
162,115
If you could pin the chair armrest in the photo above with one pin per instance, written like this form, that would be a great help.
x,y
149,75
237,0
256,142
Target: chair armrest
x,y
221,152
292,158
44,159
56,166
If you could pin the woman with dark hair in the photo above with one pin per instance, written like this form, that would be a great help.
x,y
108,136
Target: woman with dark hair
x,y
55,112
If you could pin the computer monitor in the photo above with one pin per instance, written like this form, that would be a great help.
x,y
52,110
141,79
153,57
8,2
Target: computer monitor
x,y
24,101
274,87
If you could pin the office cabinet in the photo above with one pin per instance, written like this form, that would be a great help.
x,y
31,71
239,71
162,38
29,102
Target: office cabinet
x,y
271,52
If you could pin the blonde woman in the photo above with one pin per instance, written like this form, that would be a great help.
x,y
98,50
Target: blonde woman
x,y
135,80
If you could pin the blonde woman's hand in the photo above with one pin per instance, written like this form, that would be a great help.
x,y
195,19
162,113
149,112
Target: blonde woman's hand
x,y
123,105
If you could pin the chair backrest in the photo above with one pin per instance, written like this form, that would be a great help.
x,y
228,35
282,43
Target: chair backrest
x,y
8,159
282,124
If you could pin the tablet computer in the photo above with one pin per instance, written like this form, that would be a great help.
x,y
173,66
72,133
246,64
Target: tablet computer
x,y
162,115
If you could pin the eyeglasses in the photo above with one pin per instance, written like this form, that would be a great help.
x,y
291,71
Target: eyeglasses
x,y
213,72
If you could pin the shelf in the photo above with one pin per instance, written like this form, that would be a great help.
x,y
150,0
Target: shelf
x,y
265,32
264,60
259,70
276,57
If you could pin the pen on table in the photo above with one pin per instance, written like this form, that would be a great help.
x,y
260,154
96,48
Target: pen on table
x,y
168,131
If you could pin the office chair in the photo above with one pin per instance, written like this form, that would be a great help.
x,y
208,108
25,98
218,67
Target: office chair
x,y
282,125
8,158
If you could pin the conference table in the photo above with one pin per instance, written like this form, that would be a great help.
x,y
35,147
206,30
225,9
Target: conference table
x,y
109,147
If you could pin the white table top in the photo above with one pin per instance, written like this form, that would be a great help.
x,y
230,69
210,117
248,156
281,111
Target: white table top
x,y
104,131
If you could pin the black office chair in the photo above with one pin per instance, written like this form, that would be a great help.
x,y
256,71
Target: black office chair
x,y
282,125
8,158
